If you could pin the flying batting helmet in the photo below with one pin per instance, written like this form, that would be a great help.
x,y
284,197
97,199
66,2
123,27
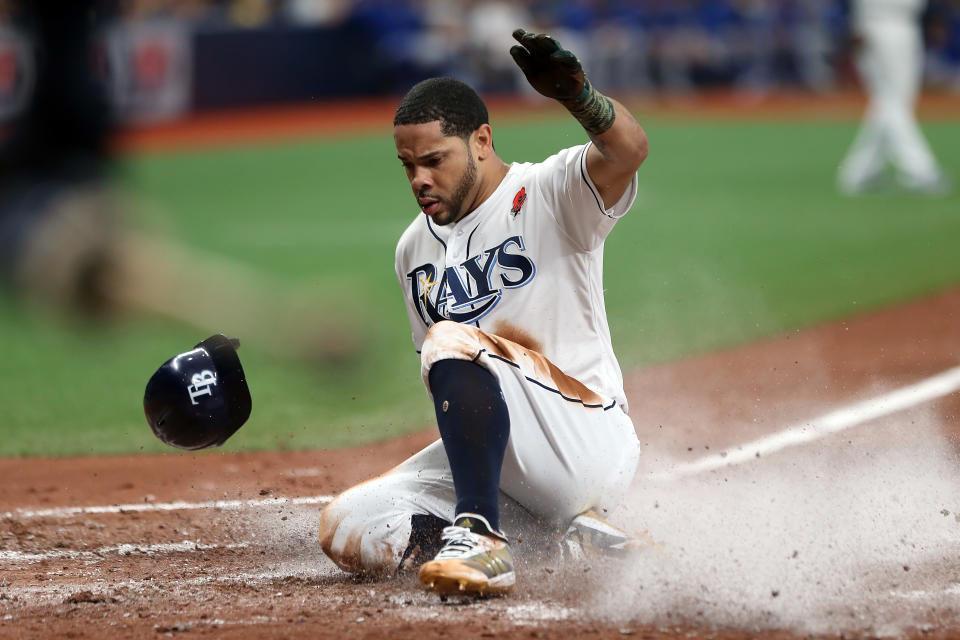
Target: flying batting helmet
x,y
199,398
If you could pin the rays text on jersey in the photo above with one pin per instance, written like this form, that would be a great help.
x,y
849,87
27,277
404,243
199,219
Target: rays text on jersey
x,y
470,290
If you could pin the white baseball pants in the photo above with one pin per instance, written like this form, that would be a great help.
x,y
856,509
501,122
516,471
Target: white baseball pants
x,y
569,450
891,65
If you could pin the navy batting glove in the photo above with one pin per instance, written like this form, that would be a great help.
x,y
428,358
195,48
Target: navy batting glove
x,y
550,69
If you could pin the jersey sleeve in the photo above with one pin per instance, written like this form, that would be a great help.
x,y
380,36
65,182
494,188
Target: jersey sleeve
x,y
575,201
417,326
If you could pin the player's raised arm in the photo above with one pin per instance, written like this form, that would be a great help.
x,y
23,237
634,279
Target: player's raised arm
x,y
619,142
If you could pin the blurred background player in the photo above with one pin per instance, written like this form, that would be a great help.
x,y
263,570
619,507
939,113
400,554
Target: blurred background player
x,y
68,239
890,59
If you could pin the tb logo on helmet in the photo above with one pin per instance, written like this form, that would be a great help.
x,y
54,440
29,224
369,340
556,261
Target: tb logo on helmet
x,y
212,365
200,385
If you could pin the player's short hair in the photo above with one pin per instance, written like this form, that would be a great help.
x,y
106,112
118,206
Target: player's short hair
x,y
455,104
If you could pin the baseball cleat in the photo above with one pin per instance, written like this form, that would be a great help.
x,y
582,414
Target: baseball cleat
x,y
589,533
475,560
937,185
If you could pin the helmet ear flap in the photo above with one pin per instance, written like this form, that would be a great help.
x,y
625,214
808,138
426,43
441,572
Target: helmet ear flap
x,y
199,398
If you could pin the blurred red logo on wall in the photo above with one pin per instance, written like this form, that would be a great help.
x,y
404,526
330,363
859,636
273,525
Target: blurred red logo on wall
x,y
8,69
151,64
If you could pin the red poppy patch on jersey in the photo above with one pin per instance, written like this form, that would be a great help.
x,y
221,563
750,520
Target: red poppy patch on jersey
x,y
518,200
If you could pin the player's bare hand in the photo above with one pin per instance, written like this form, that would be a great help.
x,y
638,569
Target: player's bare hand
x,y
550,69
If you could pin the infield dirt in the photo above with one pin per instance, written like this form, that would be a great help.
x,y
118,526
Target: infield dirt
x,y
256,571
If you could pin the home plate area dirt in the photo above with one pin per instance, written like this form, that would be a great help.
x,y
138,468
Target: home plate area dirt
x,y
801,486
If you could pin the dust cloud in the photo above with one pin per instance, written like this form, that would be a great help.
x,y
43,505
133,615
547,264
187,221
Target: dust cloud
x,y
857,531
287,534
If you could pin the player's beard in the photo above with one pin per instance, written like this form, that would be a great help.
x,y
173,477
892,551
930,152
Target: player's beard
x,y
454,207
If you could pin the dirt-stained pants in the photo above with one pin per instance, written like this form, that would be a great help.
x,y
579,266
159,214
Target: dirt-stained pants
x,y
570,450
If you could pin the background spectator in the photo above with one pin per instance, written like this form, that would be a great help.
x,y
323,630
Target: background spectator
x,y
166,57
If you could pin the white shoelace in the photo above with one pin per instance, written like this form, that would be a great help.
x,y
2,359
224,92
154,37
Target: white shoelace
x,y
458,542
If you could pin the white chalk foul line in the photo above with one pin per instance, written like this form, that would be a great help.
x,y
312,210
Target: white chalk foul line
x,y
228,505
100,587
931,388
926,390
118,549
926,594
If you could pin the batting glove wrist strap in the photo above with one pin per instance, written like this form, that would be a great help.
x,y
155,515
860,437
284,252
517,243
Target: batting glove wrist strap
x,y
593,110
556,73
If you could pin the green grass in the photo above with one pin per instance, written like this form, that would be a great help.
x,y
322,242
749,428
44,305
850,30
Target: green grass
x,y
737,234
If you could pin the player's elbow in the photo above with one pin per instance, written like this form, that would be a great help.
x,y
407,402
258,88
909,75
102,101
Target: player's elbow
x,y
640,148
629,153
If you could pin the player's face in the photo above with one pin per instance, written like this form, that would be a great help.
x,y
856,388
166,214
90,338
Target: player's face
x,y
441,169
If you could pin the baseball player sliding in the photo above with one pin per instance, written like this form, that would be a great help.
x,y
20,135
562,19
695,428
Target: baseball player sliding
x,y
502,277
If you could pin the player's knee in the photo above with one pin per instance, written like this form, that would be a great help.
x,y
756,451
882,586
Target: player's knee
x,y
354,542
448,340
330,521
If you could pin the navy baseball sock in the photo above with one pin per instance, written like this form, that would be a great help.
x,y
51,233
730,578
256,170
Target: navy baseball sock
x,y
474,425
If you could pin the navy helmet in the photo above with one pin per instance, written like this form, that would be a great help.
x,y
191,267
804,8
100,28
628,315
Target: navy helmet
x,y
199,398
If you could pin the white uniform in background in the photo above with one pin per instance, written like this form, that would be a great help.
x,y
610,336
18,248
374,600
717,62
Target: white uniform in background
x,y
890,62
521,278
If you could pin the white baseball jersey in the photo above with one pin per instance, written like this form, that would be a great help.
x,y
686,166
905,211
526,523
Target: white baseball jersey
x,y
525,265
882,10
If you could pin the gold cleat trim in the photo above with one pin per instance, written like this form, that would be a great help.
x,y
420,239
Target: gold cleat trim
x,y
446,577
